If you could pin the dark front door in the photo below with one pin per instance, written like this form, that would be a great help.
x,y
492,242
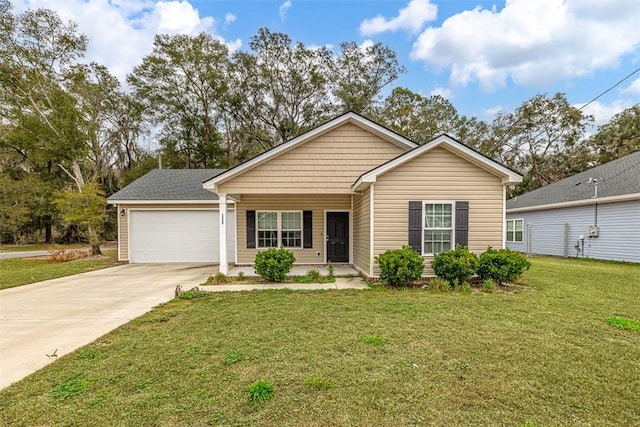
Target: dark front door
x,y
337,236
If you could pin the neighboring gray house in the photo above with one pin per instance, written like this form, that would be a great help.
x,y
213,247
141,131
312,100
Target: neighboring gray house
x,y
594,214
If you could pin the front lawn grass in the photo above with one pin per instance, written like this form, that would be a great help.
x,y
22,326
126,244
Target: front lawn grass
x,y
542,356
23,271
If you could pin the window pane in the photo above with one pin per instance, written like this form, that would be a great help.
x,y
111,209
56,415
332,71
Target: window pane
x,y
446,221
438,215
436,241
518,236
267,239
267,220
291,221
428,247
509,225
292,239
518,225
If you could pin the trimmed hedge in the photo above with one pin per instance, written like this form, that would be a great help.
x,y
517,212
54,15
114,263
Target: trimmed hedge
x,y
502,265
398,267
456,266
274,264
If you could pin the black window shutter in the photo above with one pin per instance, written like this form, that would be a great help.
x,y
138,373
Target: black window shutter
x,y
415,225
462,223
251,229
307,229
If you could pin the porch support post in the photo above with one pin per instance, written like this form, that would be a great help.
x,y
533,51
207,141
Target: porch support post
x,y
222,218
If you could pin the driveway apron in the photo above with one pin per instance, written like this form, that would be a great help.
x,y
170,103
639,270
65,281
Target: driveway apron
x,y
43,321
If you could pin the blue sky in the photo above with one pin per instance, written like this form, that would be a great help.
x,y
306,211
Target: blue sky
x,y
483,56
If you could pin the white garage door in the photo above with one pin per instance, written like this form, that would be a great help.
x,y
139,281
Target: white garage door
x,y
178,236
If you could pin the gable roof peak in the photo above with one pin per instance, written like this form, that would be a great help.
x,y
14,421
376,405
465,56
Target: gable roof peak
x,y
460,149
346,117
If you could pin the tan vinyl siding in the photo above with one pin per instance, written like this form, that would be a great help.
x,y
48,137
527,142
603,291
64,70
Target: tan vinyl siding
x,y
316,203
361,231
123,231
437,175
329,163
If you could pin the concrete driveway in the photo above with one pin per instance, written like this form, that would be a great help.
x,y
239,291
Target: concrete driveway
x,y
66,313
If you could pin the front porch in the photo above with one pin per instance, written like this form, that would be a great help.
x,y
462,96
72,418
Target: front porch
x,y
317,228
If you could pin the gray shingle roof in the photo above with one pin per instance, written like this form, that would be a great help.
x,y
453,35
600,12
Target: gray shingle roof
x,y
616,178
169,184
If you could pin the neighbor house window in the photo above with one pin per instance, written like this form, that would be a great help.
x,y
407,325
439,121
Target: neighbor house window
x,y
277,229
438,227
514,230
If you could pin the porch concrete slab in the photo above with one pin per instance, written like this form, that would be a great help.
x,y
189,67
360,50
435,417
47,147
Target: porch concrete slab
x,y
340,283
298,270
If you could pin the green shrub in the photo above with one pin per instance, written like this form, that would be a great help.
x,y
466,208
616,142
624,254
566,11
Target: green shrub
x,y
488,285
220,279
260,391
502,265
438,284
465,288
240,276
274,264
400,266
456,266
314,276
331,271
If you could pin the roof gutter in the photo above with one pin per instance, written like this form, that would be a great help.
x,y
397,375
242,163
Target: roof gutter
x,y
162,202
583,202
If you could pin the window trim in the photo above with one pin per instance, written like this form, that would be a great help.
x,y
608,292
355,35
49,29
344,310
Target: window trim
x,y
279,228
453,222
506,230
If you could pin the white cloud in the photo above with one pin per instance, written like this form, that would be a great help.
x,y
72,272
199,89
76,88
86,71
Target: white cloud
x,y
283,8
179,18
493,111
633,88
531,42
366,44
444,92
229,18
121,32
327,46
410,18
602,113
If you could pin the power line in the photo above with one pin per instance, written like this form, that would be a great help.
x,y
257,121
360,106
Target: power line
x,y
610,89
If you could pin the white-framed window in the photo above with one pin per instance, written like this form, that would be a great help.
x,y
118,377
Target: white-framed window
x,y
514,230
279,228
438,227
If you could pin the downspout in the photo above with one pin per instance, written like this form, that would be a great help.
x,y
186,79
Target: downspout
x,y
119,234
504,216
371,228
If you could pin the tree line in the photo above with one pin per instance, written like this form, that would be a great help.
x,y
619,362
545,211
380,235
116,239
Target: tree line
x,y
72,134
